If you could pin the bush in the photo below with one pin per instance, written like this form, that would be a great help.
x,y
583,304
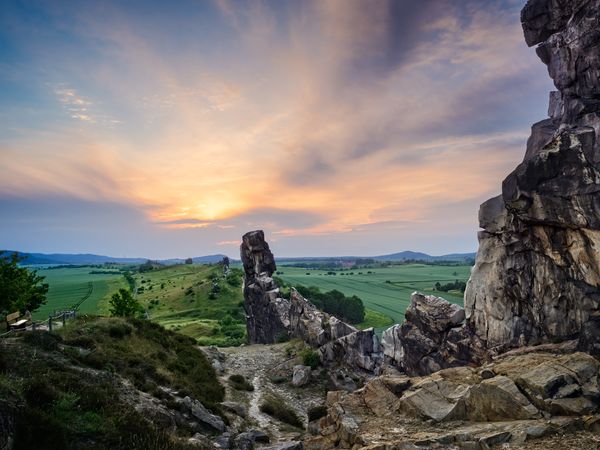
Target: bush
x,y
119,330
240,383
316,412
349,309
277,379
43,339
310,358
124,304
276,407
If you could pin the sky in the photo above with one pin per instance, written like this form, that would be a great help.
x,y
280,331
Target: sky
x,y
340,127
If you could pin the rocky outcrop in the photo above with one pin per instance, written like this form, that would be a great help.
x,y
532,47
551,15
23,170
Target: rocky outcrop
x,y
336,340
267,313
433,337
301,375
516,404
537,273
271,318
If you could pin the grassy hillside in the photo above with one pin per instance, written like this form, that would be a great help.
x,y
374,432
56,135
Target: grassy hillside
x,y
82,387
196,300
69,286
385,290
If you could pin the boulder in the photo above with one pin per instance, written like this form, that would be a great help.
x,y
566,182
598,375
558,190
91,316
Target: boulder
x,y
567,385
203,415
247,439
435,399
301,376
236,408
497,399
293,445
432,337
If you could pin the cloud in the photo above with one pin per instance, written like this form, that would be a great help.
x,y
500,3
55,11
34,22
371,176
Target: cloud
x,y
310,119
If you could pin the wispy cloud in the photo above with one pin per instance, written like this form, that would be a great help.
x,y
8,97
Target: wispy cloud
x,y
311,119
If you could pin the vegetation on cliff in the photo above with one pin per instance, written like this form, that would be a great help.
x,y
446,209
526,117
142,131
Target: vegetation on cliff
x,y
75,388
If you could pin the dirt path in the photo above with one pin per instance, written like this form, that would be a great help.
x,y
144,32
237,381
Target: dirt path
x,y
260,364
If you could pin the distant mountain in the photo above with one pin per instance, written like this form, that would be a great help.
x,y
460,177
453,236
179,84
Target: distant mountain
x,y
403,256
82,259
208,259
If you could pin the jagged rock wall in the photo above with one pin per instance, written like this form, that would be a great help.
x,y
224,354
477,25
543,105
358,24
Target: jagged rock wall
x,y
537,272
271,318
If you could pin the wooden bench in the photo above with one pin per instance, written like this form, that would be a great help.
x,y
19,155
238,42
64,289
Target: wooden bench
x,y
14,321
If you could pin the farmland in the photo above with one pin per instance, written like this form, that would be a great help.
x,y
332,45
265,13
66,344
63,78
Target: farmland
x,y
197,300
69,286
386,290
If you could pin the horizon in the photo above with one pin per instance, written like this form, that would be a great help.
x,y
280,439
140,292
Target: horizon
x,y
237,257
336,128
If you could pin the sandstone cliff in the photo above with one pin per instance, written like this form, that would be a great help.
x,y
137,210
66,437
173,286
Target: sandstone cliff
x,y
537,273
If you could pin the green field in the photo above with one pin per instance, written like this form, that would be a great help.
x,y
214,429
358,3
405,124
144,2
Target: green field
x,y
386,290
69,286
178,297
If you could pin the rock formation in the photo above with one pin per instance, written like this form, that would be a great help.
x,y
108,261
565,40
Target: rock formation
x,y
512,400
267,313
433,337
270,317
537,273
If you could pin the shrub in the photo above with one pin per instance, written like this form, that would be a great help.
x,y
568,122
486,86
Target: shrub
x,y
316,412
43,339
276,407
282,337
310,358
119,330
277,379
240,383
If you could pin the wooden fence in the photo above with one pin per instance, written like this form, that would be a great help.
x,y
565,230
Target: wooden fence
x,y
57,319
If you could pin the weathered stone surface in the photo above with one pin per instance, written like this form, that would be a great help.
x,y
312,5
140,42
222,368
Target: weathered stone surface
x,y
294,445
270,318
360,350
203,415
236,408
246,440
436,399
431,338
497,399
456,408
567,385
312,325
537,273
301,375
267,314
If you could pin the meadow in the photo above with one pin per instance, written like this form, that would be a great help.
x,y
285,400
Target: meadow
x,y
195,300
385,290
72,285
201,302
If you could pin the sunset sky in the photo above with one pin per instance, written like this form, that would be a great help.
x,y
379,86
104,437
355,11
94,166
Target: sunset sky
x,y
341,127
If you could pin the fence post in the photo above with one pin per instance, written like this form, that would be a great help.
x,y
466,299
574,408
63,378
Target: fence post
x,y
32,326
64,319
50,323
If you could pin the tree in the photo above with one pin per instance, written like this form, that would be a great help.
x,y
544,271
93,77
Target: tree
x,y
124,304
189,261
20,288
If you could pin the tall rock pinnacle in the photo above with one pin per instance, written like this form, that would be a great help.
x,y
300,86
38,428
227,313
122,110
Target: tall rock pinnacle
x,y
537,273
